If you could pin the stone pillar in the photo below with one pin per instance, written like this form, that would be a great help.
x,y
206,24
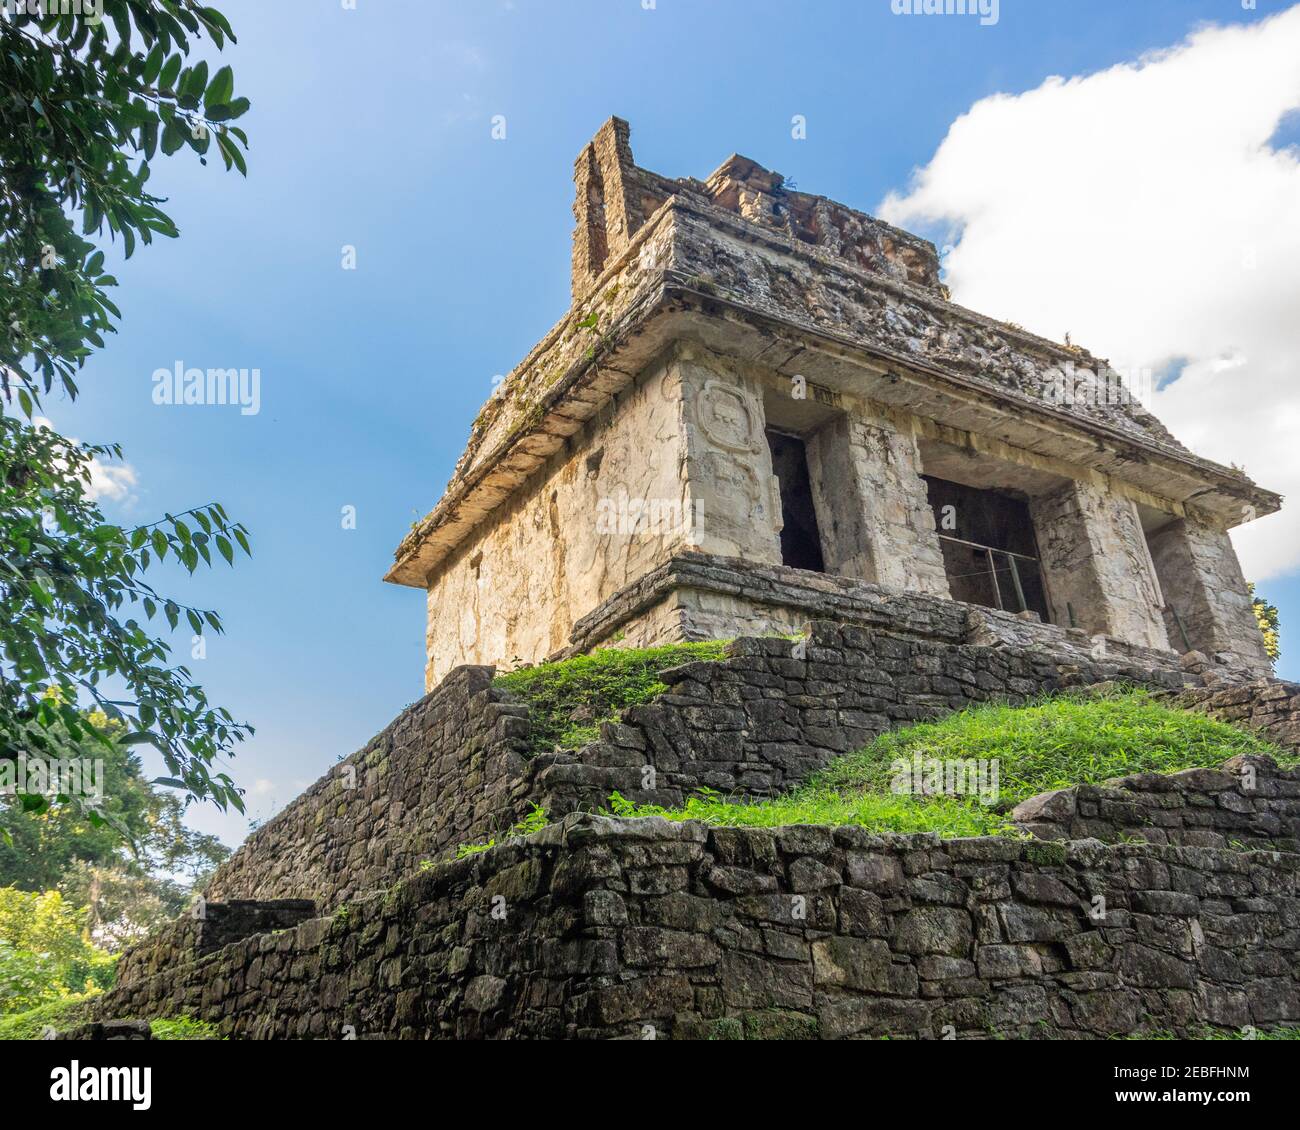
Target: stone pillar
x,y
875,518
733,493
1203,583
1095,562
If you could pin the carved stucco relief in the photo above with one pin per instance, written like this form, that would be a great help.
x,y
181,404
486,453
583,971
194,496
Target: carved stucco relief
x,y
740,511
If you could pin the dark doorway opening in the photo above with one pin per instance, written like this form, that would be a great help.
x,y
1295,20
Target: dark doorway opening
x,y
989,551
801,541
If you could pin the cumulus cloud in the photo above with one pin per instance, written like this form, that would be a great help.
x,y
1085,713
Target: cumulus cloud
x,y
113,482
1152,212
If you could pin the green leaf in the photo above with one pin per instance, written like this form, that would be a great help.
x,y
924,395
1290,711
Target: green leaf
x,y
170,782
172,68
122,22
153,64
230,153
220,89
195,80
173,137
212,16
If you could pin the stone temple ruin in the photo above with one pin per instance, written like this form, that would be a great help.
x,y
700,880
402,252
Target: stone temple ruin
x,y
761,417
771,379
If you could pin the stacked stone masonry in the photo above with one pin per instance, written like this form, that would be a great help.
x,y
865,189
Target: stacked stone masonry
x,y
1269,706
603,928
455,768
1248,803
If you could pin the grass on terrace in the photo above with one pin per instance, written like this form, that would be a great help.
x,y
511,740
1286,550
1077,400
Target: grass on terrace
x,y
570,699
1050,744
68,1012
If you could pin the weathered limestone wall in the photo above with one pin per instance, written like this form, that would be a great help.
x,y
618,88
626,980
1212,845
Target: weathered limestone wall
x,y
682,464
1202,581
599,928
1095,559
608,508
1247,804
807,289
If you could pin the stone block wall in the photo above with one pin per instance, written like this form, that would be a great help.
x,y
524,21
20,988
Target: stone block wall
x,y
778,710
1249,803
437,776
455,767
1268,706
602,928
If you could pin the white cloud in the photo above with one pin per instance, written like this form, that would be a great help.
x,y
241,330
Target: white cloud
x,y
109,481
114,482
1143,210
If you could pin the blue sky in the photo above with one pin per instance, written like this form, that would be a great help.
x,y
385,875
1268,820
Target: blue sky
x,y
371,128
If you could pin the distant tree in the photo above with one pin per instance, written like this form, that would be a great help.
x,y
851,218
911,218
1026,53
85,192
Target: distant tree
x,y
44,953
94,863
85,106
1266,617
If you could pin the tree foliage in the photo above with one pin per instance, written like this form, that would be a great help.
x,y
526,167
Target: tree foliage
x,y
1266,616
44,953
67,580
127,885
85,106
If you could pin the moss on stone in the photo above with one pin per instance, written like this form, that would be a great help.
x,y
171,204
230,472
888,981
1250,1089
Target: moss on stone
x,y
570,699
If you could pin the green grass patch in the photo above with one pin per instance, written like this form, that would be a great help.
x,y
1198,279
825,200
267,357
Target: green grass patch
x,y
1050,744
183,1028
69,1012
569,700
881,812
1057,742
66,1012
